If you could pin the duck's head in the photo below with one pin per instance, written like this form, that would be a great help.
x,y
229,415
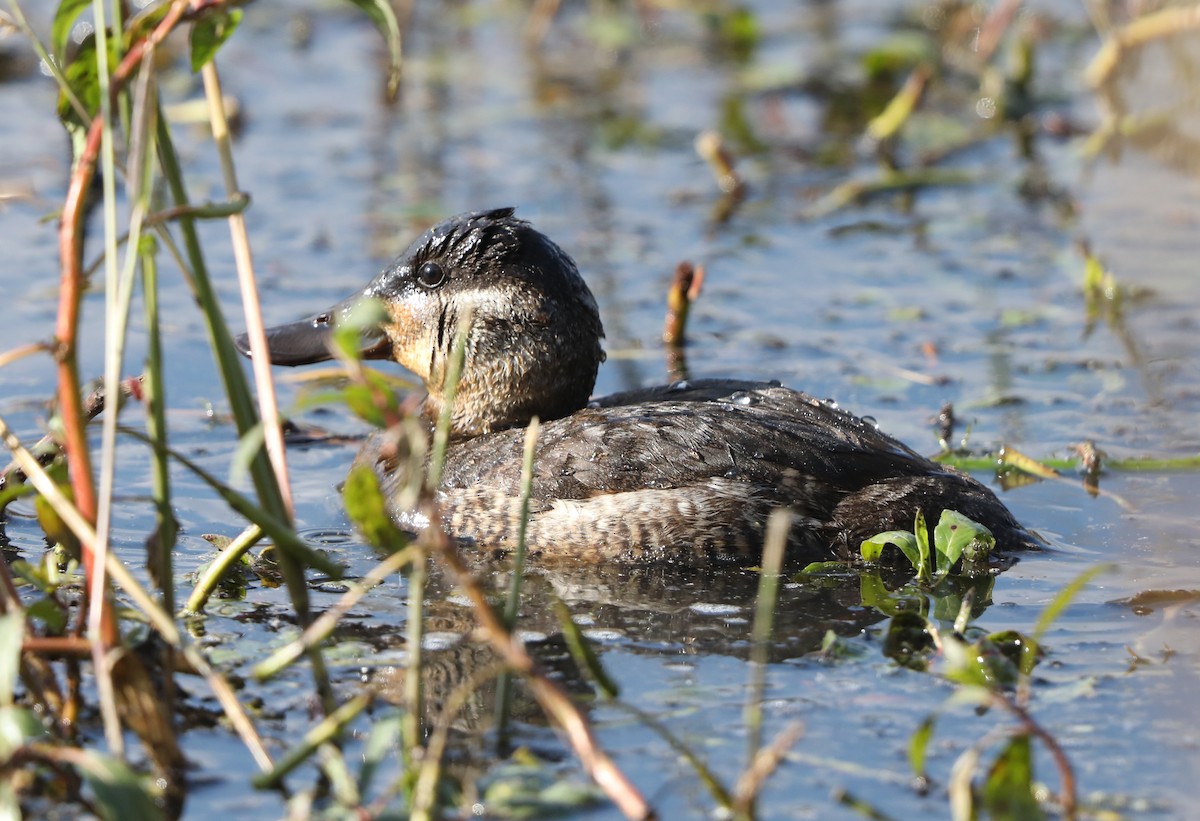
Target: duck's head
x,y
533,338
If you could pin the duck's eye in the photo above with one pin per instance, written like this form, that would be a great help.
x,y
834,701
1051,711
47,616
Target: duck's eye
x,y
431,275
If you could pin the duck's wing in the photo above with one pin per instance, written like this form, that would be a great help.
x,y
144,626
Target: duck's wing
x,y
676,436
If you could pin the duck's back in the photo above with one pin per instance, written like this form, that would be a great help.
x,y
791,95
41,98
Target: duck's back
x,y
690,472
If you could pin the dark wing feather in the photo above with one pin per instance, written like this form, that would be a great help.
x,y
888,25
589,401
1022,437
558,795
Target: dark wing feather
x,y
672,437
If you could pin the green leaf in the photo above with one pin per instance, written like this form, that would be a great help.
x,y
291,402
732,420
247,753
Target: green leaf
x,y
1008,792
981,664
120,792
51,614
1059,603
384,17
82,75
582,652
825,568
383,737
14,490
364,315
907,641
872,548
918,745
64,20
924,553
1018,648
18,726
210,32
373,402
368,510
954,534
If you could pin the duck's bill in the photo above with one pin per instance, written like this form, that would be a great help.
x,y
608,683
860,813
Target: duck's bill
x,y
311,340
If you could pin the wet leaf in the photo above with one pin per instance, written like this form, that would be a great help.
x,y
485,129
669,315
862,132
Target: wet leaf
x,y
1060,602
581,651
18,726
382,14
64,20
120,793
14,491
1018,648
1008,791
980,664
1147,601
872,548
824,568
956,534
908,642
534,791
210,32
918,745
50,613
368,510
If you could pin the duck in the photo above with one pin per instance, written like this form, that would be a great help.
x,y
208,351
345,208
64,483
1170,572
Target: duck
x,y
685,473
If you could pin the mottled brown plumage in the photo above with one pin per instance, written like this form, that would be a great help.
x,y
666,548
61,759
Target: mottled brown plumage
x,y
679,473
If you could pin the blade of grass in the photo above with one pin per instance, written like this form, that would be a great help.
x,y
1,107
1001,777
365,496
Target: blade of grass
x,y
101,622
707,777
414,695
285,537
513,605
219,566
260,359
153,384
774,545
327,730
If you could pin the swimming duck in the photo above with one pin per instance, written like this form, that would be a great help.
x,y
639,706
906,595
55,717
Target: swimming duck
x,y
686,472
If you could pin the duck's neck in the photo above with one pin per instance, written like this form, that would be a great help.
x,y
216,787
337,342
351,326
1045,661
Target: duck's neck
x,y
505,387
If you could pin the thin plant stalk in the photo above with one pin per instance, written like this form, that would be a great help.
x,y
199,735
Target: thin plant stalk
x,y
513,605
328,729
260,360
154,393
454,369
774,544
100,618
414,682
222,564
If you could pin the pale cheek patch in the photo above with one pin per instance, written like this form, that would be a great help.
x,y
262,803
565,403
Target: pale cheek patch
x,y
410,332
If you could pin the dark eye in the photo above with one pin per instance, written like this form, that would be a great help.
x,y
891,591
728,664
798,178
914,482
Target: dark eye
x,y
431,275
